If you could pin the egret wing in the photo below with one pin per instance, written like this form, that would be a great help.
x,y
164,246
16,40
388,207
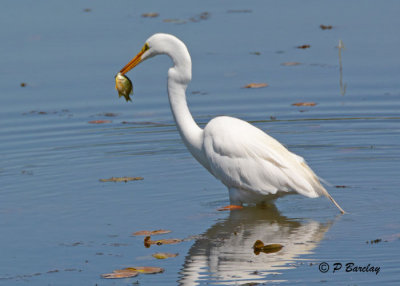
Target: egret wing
x,y
243,156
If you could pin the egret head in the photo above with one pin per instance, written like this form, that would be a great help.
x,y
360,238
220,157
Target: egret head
x,y
158,44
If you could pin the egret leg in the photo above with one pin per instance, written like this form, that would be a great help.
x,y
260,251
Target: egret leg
x,y
235,202
235,197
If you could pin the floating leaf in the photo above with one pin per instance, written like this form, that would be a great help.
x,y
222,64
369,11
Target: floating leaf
x,y
164,255
375,241
258,244
175,21
304,104
145,269
121,179
325,27
304,47
229,208
289,64
99,121
151,232
269,248
150,15
148,242
132,272
256,85
122,273
108,114
200,17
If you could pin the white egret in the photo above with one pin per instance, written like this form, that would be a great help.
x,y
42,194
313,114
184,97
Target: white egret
x,y
254,166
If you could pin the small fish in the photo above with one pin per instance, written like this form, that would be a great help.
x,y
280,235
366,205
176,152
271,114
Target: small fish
x,y
124,86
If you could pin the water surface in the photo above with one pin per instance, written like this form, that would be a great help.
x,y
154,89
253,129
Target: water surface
x,y
61,226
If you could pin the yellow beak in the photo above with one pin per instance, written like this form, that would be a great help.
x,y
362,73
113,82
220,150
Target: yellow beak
x,y
135,61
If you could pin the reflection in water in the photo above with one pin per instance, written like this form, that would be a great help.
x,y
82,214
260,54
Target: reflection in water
x,y
224,254
342,87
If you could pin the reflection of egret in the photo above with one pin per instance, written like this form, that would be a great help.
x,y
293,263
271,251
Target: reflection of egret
x,y
225,256
253,165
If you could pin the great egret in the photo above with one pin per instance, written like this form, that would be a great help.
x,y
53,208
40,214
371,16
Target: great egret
x,y
254,166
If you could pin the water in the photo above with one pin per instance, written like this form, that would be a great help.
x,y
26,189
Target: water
x,y
61,226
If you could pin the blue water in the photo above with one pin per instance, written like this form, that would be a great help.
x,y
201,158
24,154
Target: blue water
x,y
61,226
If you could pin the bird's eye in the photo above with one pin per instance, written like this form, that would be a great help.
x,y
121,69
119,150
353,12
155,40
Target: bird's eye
x,y
145,47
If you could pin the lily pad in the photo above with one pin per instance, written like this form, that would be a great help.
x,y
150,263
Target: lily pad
x,y
121,179
304,47
164,255
151,232
256,85
99,121
121,273
326,27
150,15
290,64
148,242
145,269
304,104
132,272
269,248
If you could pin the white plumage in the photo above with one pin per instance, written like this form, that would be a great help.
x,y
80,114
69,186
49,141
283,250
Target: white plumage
x,y
254,166
254,161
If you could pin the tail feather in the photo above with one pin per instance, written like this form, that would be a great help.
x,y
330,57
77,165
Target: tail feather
x,y
323,191
336,204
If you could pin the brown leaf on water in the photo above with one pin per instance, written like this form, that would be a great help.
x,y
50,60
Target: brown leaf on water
x,y
108,114
150,15
148,242
151,232
304,104
326,27
258,244
304,47
269,248
256,85
121,273
121,179
145,269
374,241
99,121
200,17
175,21
164,255
132,272
290,64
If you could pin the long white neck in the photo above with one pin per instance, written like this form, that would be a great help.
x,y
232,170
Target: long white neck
x,y
190,132
178,78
